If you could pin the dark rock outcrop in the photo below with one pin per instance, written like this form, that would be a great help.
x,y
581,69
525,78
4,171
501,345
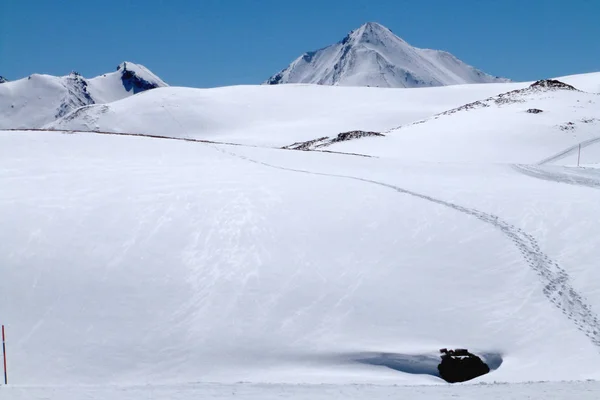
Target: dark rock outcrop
x,y
3,79
551,83
78,95
459,366
534,111
327,141
344,136
132,82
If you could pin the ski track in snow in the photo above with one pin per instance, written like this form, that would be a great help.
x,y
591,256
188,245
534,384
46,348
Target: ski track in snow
x,y
556,176
568,151
576,178
557,286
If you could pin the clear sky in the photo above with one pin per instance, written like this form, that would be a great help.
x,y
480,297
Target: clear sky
x,y
206,43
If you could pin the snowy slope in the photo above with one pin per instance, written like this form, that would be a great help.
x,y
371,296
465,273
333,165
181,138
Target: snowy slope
x,y
373,56
271,115
586,82
496,129
135,260
39,99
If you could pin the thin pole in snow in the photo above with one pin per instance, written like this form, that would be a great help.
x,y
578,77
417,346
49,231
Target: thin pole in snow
x,y
579,155
4,356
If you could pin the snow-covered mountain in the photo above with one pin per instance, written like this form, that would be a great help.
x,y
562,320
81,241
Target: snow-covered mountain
x,y
374,56
39,99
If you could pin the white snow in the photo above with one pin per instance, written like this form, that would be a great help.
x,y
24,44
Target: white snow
x,y
135,267
373,56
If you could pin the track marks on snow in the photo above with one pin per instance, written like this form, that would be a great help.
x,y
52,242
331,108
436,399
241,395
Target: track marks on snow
x,y
556,280
560,175
568,151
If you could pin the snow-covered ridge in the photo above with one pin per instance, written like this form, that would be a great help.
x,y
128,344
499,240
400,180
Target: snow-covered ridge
x,y
40,99
521,95
509,127
514,96
373,56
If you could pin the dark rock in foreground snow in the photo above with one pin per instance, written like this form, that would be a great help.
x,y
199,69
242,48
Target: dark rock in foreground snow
x,y
459,366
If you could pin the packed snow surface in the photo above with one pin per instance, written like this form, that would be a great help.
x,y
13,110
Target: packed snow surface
x,y
373,56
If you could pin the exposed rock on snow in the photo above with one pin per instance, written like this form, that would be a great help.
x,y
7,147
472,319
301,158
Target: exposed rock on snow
x,y
494,123
3,79
77,95
307,145
326,141
138,81
514,96
373,56
552,83
534,111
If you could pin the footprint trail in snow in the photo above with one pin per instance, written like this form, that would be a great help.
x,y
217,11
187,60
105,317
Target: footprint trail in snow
x,y
556,281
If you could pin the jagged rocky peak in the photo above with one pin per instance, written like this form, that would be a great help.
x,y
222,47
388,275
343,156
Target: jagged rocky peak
x,y
3,79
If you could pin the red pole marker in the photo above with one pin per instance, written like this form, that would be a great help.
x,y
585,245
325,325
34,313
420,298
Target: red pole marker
x,y
4,355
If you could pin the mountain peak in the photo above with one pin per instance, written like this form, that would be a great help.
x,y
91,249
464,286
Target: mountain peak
x,y
3,79
374,27
370,32
372,55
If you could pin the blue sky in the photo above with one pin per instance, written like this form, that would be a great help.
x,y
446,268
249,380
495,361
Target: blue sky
x,y
207,43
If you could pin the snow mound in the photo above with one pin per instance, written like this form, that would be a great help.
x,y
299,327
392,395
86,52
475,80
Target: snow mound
x,y
373,56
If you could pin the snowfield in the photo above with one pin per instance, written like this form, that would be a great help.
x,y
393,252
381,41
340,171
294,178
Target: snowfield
x,y
138,267
271,115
